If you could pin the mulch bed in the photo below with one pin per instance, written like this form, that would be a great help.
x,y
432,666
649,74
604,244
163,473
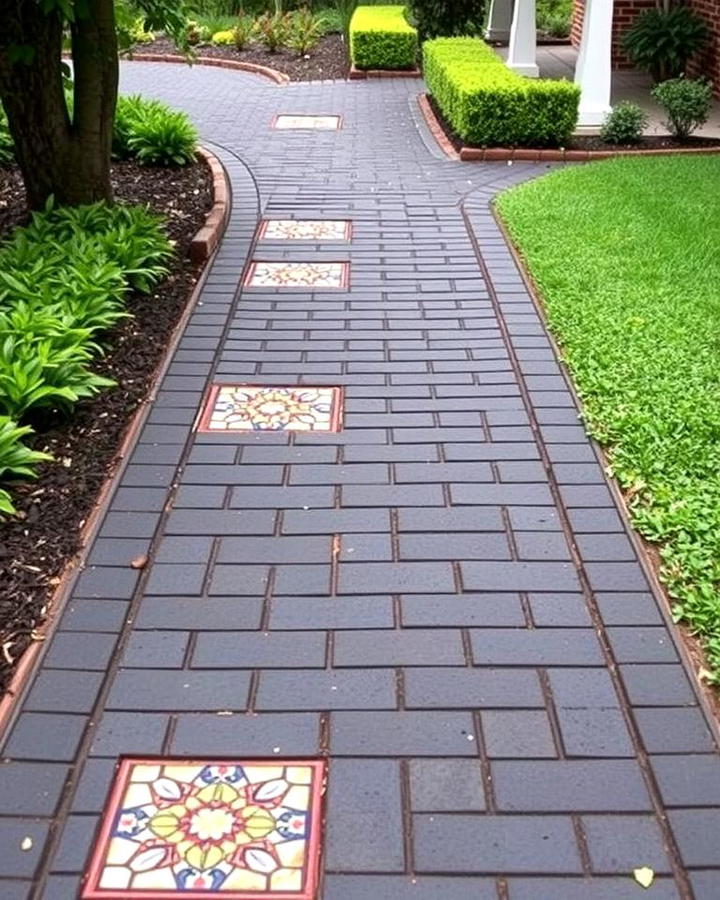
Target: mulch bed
x,y
36,546
328,60
593,142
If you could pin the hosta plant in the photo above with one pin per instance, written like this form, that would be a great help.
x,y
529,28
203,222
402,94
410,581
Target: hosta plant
x,y
661,41
16,460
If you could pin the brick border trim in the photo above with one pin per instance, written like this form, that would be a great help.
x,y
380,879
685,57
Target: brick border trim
x,y
235,64
205,242
356,74
529,154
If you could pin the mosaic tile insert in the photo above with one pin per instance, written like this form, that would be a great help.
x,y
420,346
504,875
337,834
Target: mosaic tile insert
x,y
318,123
241,829
297,274
242,407
305,230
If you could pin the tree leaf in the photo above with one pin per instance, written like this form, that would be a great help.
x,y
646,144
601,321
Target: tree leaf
x,y
644,876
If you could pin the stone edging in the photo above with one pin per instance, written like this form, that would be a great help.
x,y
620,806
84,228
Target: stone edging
x,y
356,74
201,248
236,64
530,154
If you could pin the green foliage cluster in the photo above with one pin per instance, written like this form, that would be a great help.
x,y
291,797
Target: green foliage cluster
x,y
299,30
6,141
153,133
661,41
624,253
447,18
486,103
687,103
554,17
624,124
64,281
381,38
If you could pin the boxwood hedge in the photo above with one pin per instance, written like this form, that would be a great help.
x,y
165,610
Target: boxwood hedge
x,y
381,38
486,103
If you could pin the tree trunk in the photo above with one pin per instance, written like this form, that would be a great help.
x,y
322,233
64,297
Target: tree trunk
x,y
69,160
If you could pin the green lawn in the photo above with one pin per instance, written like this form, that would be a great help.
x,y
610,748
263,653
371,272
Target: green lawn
x,y
626,255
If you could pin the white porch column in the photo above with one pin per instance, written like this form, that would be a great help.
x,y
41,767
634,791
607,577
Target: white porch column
x,y
523,39
499,20
593,67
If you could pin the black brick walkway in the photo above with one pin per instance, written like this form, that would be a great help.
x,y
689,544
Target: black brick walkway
x,y
441,598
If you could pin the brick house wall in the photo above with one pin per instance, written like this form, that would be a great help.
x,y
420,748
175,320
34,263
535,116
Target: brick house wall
x,y
626,11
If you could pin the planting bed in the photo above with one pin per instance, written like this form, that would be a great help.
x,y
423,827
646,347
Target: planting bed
x,y
326,61
35,546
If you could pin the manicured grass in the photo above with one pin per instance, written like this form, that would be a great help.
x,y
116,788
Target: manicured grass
x,y
625,254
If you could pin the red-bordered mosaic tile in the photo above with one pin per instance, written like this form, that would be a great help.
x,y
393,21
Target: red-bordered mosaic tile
x,y
286,122
305,230
193,828
313,275
246,407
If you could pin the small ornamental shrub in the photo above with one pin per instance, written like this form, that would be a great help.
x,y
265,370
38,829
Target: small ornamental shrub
x,y
6,141
304,31
686,102
554,17
447,18
272,31
195,33
16,460
488,104
153,133
382,38
223,38
662,41
624,124
243,31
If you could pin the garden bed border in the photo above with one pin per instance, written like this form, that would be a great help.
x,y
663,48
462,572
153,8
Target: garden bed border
x,y
273,75
534,154
356,74
201,249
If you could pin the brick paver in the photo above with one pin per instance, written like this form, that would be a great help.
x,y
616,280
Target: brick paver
x,y
440,598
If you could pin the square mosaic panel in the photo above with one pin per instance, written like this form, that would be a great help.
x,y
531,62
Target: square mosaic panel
x,y
318,123
305,230
236,828
297,274
242,407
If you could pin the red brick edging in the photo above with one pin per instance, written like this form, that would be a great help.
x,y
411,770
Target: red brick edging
x,y
236,64
356,74
530,154
201,248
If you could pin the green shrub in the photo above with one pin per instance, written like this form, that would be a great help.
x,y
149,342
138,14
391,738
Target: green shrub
x,y
272,31
152,132
381,38
686,102
304,31
447,18
223,38
6,141
624,124
486,103
243,31
16,460
195,33
554,17
662,41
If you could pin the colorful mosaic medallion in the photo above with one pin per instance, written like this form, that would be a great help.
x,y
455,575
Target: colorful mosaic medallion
x,y
305,230
319,123
242,829
242,407
297,274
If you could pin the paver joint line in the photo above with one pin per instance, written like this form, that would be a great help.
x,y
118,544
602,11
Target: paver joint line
x,y
435,599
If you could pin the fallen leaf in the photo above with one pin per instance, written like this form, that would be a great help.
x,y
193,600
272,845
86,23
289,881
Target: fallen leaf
x,y
26,843
139,562
644,876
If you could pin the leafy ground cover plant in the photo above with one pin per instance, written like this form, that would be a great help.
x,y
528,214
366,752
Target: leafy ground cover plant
x,y
624,254
6,141
64,281
153,133
554,17
17,462
661,41
624,124
686,102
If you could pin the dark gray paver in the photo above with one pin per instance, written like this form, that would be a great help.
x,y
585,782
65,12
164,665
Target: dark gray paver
x,y
407,595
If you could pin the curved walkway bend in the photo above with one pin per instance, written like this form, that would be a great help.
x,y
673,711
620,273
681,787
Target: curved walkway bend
x,y
441,598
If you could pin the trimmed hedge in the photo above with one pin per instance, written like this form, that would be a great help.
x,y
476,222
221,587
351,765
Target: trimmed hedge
x,y
487,103
381,38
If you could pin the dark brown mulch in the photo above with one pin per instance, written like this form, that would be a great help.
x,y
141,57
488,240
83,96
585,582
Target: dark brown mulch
x,y
328,60
35,547
592,142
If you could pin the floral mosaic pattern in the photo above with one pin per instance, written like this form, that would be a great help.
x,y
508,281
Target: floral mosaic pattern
x,y
240,829
305,230
233,407
319,123
298,274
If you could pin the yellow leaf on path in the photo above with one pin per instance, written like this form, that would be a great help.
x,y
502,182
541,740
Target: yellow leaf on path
x,y
644,876
26,843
